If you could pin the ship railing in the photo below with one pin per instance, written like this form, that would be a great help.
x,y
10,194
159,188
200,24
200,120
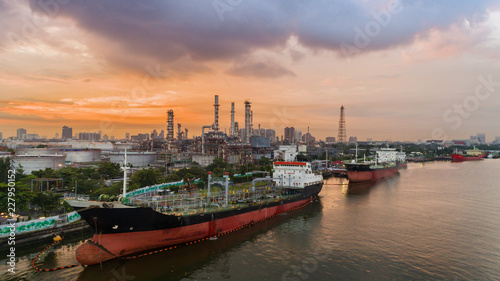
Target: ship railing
x,y
216,201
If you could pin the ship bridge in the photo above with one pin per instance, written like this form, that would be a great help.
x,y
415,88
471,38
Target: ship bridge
x,y
295,174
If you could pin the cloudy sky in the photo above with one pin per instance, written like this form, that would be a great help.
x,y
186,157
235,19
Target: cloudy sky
x,y
404,70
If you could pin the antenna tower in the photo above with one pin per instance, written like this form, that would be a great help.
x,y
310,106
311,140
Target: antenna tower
x,y
342,137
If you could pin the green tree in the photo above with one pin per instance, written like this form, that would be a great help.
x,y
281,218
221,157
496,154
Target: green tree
x,y
108,170
5,166
47,202
144,177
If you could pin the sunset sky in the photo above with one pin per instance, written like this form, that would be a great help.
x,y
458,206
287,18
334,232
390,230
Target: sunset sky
x,y
404,70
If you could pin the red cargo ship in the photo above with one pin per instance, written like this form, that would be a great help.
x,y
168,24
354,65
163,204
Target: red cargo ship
x,y
471,155
464,157
162,221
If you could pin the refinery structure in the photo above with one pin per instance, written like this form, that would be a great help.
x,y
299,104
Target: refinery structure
x,y
170,146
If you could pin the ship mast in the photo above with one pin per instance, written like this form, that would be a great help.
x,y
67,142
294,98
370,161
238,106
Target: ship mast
x,y
125,168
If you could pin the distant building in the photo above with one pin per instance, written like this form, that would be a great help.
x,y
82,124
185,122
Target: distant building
x,y
260,142
162,134
353,139
140,137
298,136
497,140
289,134
154,134
31,136
67,132
21,134
89,136
434,142
127,136
308,138
330,139
474,139
271,134
1,136
461,142
481,138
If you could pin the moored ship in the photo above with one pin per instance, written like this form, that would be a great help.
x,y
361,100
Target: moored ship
x,y
387,163
470,155
153,220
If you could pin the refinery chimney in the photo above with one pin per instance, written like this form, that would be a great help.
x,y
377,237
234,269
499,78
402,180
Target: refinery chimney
x,y
232,120
216,106
247,121
251,125
170,125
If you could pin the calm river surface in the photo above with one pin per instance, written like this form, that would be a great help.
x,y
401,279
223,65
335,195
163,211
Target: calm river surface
x,y
434,221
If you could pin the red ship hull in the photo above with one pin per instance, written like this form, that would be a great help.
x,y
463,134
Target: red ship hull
x,y
125,244
461,157
373,175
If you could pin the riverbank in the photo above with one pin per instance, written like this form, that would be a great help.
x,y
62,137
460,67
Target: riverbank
x,y
46,235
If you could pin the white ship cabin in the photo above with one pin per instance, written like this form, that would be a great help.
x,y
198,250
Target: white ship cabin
x,y
295,174
387,155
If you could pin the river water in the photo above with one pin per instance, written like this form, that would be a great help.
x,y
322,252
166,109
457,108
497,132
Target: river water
x,y
433,221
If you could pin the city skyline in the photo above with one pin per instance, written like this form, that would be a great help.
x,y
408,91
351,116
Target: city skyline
x,y
404,71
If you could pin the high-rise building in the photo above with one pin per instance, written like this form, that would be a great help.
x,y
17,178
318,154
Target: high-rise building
x,y
154,134
21,133
67,132
89,136
1,136
297,136
481,138
353,139
289,134
271,134
127,136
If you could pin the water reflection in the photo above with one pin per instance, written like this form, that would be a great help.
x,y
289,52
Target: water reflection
x,y
363,188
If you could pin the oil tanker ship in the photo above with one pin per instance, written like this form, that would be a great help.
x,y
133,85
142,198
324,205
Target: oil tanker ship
x,y
388,162
153,220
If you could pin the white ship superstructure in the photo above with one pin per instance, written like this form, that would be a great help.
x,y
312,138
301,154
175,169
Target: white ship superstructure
x,y
295,174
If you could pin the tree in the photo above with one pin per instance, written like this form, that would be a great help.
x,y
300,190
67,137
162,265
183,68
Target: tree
x,y
47,201
5,166
108,170
144,177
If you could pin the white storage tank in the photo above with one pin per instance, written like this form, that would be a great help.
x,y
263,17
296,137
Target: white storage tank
x,y
137,159
81,155
30,163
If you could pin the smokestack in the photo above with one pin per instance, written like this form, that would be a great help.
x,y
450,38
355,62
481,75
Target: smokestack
x,y
251,123
179,131
232,119
247,121
216,106
170,125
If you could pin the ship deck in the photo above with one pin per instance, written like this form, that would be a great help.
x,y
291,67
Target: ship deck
x,y
201,203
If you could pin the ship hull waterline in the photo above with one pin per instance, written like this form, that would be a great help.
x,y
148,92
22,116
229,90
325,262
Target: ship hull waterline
x,y
371,176
460,157
108,246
